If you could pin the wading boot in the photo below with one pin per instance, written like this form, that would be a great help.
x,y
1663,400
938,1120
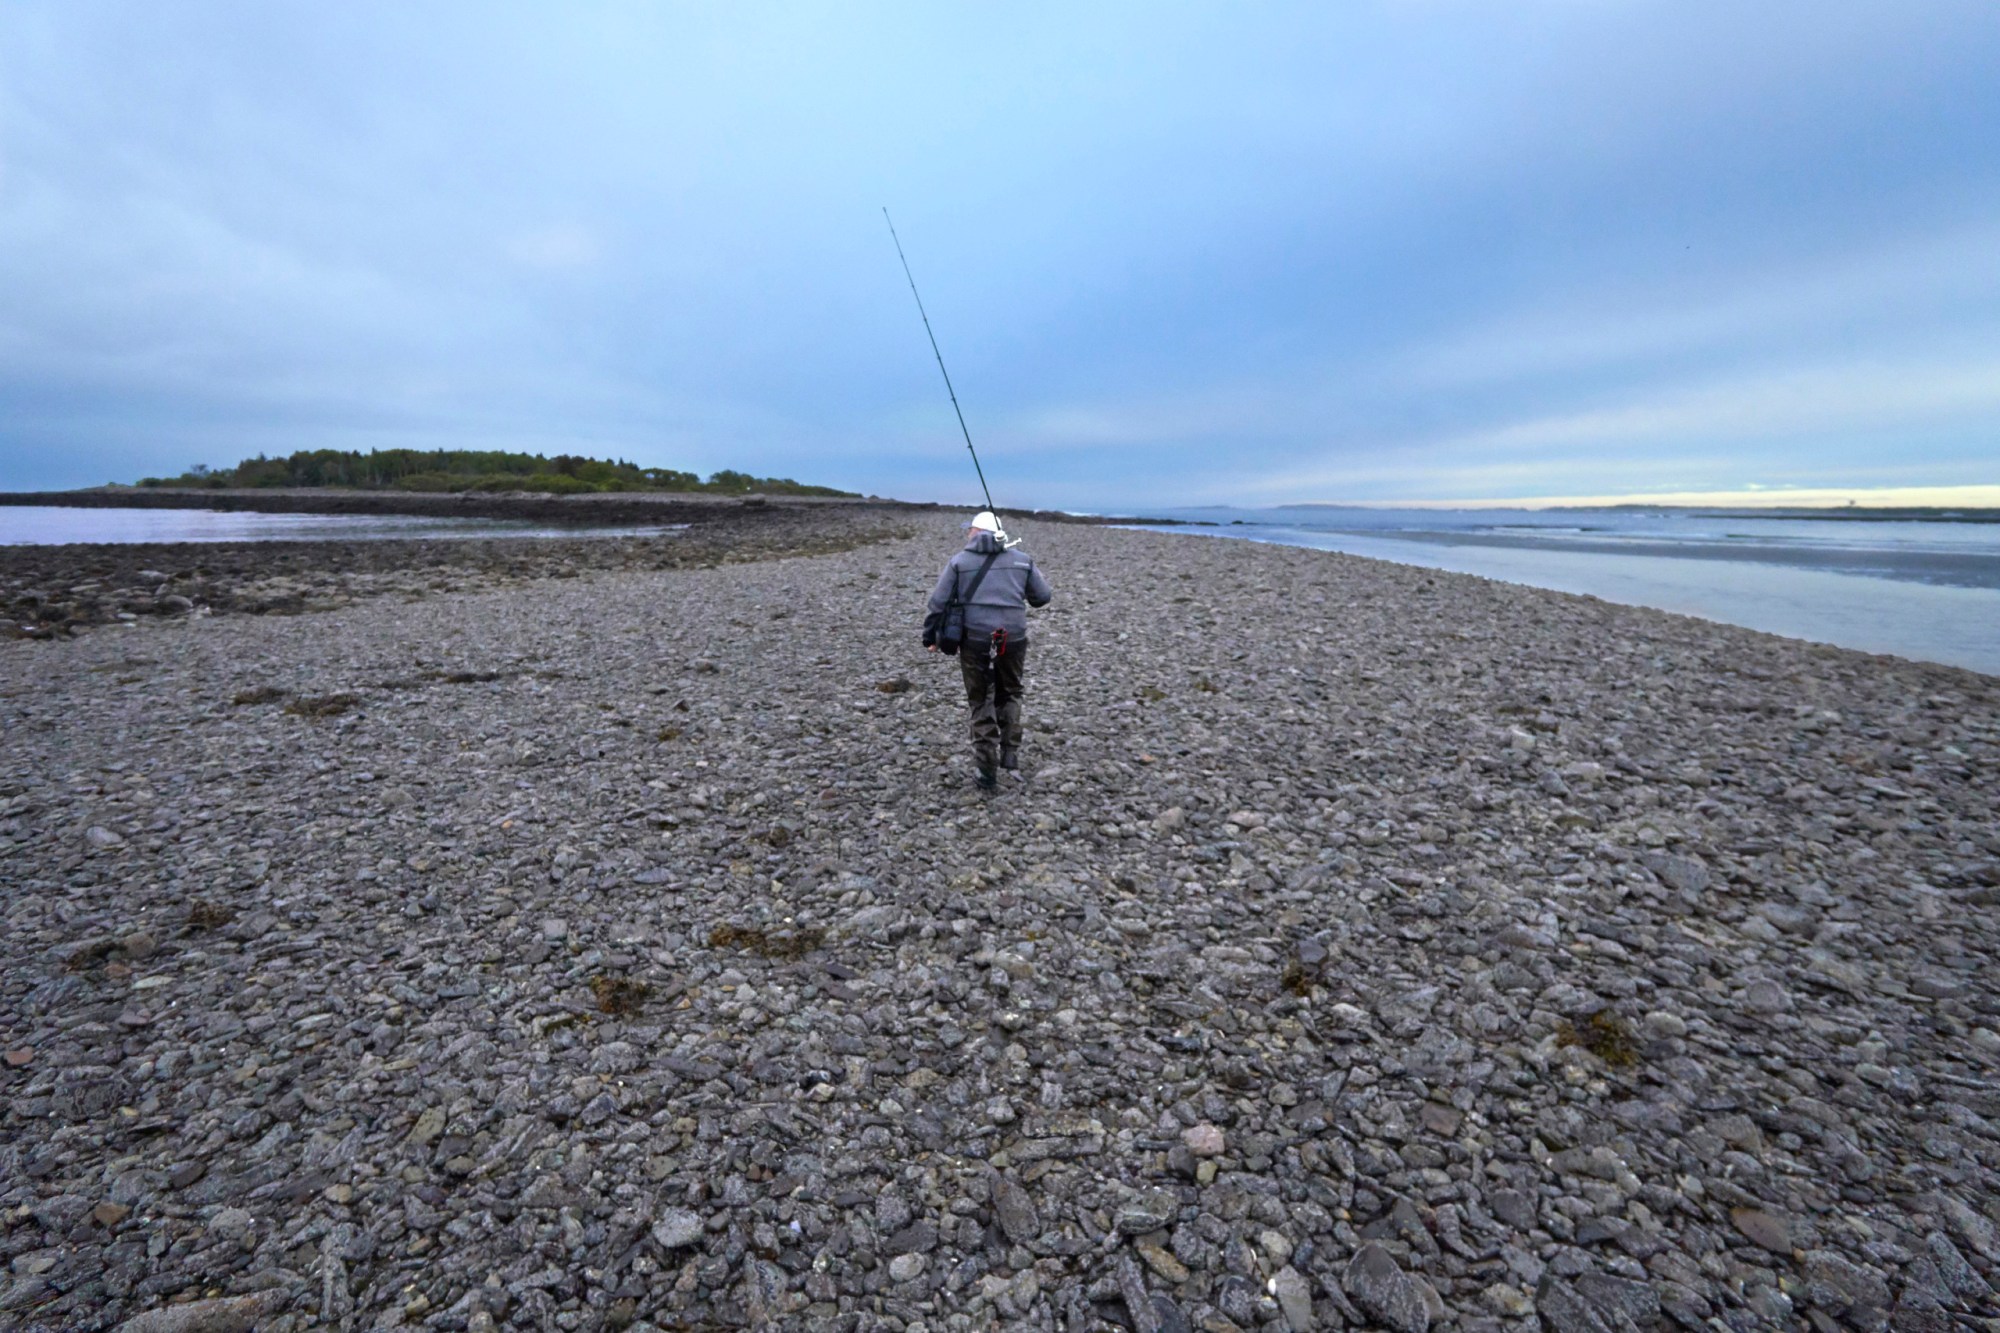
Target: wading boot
x,y
1010,758
988,778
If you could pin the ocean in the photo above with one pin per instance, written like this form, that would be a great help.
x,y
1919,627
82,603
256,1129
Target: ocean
x,y
1922,588
1917,588
57,525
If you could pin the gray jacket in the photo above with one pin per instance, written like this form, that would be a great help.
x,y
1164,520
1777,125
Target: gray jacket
x,y
1010,587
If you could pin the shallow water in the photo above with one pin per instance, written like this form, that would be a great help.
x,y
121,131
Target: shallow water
x,y
54,525
1923,590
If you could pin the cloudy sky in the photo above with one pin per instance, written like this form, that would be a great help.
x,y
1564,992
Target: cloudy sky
x,y
1175,253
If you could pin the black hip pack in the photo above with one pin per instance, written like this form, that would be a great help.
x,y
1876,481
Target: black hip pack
x,y
945,630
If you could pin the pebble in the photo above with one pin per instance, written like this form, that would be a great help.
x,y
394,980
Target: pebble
x,y
1384,1291
1015,1211
1294,1296
1203,1140
1661,1024
221,1314
1161,1262
1763,1229
1511,1302
678,1228
1150,1210
1766,997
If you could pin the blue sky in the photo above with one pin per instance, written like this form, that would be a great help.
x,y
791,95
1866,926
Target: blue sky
x,y
1174,253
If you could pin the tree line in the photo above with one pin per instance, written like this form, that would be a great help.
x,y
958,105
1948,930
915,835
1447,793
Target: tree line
x,y
447,470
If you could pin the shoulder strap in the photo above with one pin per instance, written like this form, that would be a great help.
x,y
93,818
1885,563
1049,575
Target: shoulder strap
x,y
979,578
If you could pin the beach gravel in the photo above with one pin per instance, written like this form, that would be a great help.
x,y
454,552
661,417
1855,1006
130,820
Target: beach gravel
x,y
1362,946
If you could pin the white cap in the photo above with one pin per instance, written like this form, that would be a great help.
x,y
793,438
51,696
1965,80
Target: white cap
x,y
985,521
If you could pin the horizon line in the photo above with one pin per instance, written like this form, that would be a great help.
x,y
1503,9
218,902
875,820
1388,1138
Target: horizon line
x,y
1755,497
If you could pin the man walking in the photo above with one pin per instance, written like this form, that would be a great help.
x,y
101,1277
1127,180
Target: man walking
x,y
997,582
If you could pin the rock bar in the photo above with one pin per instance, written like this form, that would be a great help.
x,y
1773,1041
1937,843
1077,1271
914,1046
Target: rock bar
x,y
623,944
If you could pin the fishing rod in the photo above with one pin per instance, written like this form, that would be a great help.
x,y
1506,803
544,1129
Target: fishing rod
x,y
940,360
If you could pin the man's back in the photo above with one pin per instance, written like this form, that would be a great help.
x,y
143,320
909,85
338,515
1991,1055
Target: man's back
x,y
1011,585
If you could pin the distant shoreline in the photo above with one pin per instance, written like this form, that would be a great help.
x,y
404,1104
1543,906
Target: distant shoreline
x,y
1856,514
607,508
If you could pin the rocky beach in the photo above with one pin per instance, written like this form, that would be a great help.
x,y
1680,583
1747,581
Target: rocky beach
x,y
608,934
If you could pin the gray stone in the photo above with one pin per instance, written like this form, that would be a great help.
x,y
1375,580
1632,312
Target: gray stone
x,y
1563,1309
1203,1140
1377,1284
1237,1298
1148,1210
232,1222
1015,1211
1509,1301
1513,1207
1294,1296
1837,1286
1766,997
892,1211
223,1314
430,1124
920,1237
1138,1302
1683,874
1620,1297
1763,1229
1973,1228
678,1228
1917,1313
1953,1268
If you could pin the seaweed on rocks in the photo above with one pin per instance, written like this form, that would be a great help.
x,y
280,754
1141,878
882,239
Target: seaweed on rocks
x,y
620,997
205,915
784,944
323,705
1604,1035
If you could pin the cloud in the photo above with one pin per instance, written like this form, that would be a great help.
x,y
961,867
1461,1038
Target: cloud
x,y
563,246
1171,254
